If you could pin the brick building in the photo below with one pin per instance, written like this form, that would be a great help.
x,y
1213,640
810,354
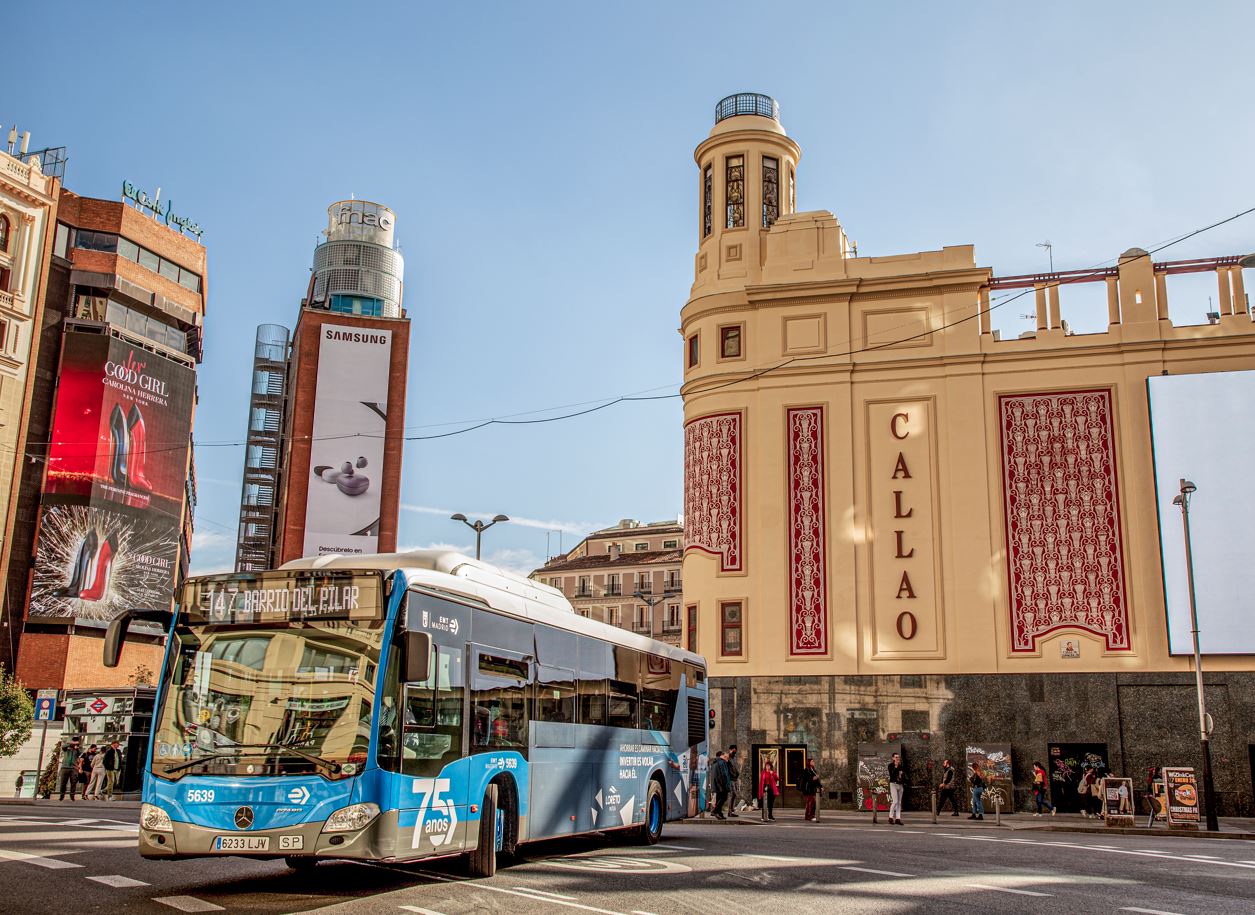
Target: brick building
x,y
627,575
902,529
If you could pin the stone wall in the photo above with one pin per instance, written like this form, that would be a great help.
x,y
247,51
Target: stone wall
x,y
1144,719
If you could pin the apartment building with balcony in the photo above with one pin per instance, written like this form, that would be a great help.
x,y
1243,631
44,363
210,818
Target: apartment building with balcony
x,y
627,575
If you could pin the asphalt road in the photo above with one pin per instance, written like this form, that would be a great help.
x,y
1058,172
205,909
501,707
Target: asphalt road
x,y
54,862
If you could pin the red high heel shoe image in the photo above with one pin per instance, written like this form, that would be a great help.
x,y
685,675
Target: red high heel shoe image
x,y
137,450
100,571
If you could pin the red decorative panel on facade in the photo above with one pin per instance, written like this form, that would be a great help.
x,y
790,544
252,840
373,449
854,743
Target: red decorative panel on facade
x,y
808,605
1064,549
713,487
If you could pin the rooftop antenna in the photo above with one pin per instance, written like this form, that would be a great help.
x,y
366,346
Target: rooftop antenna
x,y
12,139
1050,252
26,142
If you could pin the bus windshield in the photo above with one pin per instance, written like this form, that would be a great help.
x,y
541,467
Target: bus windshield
x,y
271,676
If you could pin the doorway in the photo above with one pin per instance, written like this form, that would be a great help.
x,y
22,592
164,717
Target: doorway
x,y
1068,762
789,760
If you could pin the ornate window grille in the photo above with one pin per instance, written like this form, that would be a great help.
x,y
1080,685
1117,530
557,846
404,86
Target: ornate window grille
x,y
708,180
771,191
735,191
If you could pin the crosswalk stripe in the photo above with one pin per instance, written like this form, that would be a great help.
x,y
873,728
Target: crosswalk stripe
x,y
40,860
117,880
188,904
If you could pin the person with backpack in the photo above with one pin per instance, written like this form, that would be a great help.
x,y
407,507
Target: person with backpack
x,y
977,782
720,782
768,788
113,767
1039,790
68,775
946,790
810,785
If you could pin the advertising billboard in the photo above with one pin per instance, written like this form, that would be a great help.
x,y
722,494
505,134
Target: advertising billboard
x,y
1201,432
342,508
94,561
122,426
1182,791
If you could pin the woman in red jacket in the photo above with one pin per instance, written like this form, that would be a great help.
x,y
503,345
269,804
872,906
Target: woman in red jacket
x,y
768,788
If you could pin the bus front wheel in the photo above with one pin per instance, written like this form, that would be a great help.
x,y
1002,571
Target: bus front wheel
x,y
483,860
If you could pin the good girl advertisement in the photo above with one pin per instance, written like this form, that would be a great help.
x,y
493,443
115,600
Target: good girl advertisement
x,y
122,425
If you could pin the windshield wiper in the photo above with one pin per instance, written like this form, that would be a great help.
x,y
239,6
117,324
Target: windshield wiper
x,y
295,751
170,770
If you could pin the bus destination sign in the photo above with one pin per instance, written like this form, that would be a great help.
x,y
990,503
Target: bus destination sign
x,y
283,597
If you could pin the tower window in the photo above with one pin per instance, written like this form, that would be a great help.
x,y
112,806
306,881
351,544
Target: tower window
x,y
708,180
735,190
731,625
730,342
693,351
771,191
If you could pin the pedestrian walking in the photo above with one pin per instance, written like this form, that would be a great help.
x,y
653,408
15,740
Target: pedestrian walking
x,y
947,788
720,782
734,774
897,782
977,783
113,767
768,788
68,775
810,785
1039,790
96,778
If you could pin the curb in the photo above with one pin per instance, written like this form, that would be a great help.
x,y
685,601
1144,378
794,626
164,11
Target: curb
x,y
1156,833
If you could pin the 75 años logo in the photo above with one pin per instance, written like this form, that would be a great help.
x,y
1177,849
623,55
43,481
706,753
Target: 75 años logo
x,y
443,818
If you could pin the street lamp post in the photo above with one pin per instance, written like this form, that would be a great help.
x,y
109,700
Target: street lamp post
x,y
652,602
477,526
1209,798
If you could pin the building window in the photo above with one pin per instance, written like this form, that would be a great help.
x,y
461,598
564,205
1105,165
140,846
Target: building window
x,y
693,351
4,336
4,233
771,191
643,623
582,589
4,279
366,306
692,636
110,243
672,622
612,616
61,244
735,190
671,544
708,180
792,192
731,629
730,342
915,719
645,583
641,547
673,580
612,585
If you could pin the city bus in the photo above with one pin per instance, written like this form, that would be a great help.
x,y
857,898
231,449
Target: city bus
x,y
407,706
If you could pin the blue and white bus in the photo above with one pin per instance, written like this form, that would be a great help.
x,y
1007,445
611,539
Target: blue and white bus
x,y
406,706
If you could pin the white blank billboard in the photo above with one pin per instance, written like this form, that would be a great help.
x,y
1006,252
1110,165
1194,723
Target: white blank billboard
x,y
1202,430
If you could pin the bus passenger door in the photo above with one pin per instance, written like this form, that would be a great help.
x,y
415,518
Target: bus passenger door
x,y
498,726
433,795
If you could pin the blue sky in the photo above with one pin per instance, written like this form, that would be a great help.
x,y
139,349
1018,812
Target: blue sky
x,y
539,159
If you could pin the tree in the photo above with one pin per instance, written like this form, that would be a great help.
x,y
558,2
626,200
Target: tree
x,y
17,711
143,676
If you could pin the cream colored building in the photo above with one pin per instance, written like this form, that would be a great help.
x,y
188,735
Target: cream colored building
x,y
879,489
627,575
28,203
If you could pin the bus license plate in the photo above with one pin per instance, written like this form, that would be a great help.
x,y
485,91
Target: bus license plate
x,y
241,843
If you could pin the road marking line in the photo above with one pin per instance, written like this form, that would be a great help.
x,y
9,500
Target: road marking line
x,y
528,889
117,880
1006,889
420,910
1212,857
677,847
639,912
870,870
501,889
188,904
40,860
1162,856
1133,908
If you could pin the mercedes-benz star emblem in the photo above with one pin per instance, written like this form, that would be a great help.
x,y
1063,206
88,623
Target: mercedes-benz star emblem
x,y
244,818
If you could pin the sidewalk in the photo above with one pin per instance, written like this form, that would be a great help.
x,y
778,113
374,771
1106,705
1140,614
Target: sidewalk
x,y
130,802
1230,827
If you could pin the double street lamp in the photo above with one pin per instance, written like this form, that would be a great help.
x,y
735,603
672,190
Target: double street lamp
x,y
477,526
1204,731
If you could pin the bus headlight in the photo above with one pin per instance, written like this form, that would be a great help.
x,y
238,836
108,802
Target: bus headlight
x,y
355,816
154,818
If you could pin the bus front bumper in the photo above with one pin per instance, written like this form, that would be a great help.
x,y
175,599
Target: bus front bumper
x,y
377,840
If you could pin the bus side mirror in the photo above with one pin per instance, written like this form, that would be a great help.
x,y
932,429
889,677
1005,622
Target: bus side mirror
x,y
417,656
121,624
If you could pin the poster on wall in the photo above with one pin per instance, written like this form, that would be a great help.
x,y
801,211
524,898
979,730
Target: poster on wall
x,y
122,425
342,509
994,760
93,562
873,774
1182,791
1117,801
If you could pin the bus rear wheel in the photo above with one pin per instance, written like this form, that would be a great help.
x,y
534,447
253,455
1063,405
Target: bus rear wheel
x,y
483,860
655,814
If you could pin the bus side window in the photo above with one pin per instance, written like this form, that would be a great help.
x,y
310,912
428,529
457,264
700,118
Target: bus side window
x,y
432,734
555,695
660,692
596,667
624,688
499,702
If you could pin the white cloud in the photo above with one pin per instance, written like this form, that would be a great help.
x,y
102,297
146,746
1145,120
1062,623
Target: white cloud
x,y
454,547
520,562
211,541
567,527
